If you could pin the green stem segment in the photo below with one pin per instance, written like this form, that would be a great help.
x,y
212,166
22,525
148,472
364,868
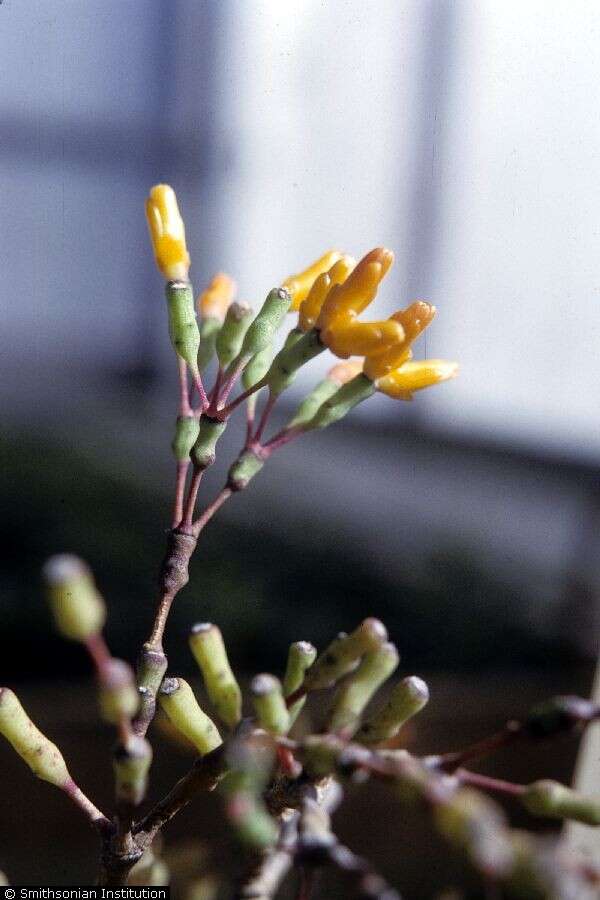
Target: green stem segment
x,y
178,701
269,704
231,336
183,327
301,656
353,696
208,648
407,698
245,467
312,402
343,654
203,452
342,401
291,358
209,330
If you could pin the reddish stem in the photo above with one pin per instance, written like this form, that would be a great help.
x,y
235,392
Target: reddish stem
x,y
201,392
98,651
250,410
490,784
230,382
185,408
182,470
510,733
281,439
214,394
209,512
226,411
265,417
190,505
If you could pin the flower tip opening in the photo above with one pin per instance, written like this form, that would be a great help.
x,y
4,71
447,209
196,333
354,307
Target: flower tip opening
x,y
167,233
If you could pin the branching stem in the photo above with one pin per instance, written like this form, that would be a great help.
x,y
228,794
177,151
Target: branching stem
x,y
210,510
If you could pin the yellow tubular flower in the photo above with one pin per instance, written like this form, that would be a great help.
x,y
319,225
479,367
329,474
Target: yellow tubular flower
x,y
218,296
345,371
348,337
311,305
414,319
414,376
359,289
299,285
167,233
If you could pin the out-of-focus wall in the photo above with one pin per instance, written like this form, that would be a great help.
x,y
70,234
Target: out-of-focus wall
x,y
462,134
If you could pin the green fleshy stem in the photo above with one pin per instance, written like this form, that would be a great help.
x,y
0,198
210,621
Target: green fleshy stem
x,y
353,696
407,698
292,337
342,655
77,605
553,800
472,821
209,432
42,756
287,362
257,368
269,704
301,656
118,694
339,404
231,336
131,763
207,645
253,825
183,327
177,700
186,434
245,467
311,403
209,330
265,325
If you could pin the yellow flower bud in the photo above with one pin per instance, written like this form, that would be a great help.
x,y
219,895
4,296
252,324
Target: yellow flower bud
x,y
299,285
347,337
311,306
414,319
344,372
214,301
359,289
414,376
167,233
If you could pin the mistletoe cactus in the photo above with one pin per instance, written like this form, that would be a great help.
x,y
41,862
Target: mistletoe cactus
x,y
280,785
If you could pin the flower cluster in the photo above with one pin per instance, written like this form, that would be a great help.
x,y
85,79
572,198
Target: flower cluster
x,y
332,304
330,297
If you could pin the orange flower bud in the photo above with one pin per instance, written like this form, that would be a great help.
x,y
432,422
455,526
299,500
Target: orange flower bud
x,y
414,319
167,233
214,301
311,306
345,371
414,376
347,337
359,289
299,285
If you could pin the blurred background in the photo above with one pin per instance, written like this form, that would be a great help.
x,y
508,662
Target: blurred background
x,y
465,136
